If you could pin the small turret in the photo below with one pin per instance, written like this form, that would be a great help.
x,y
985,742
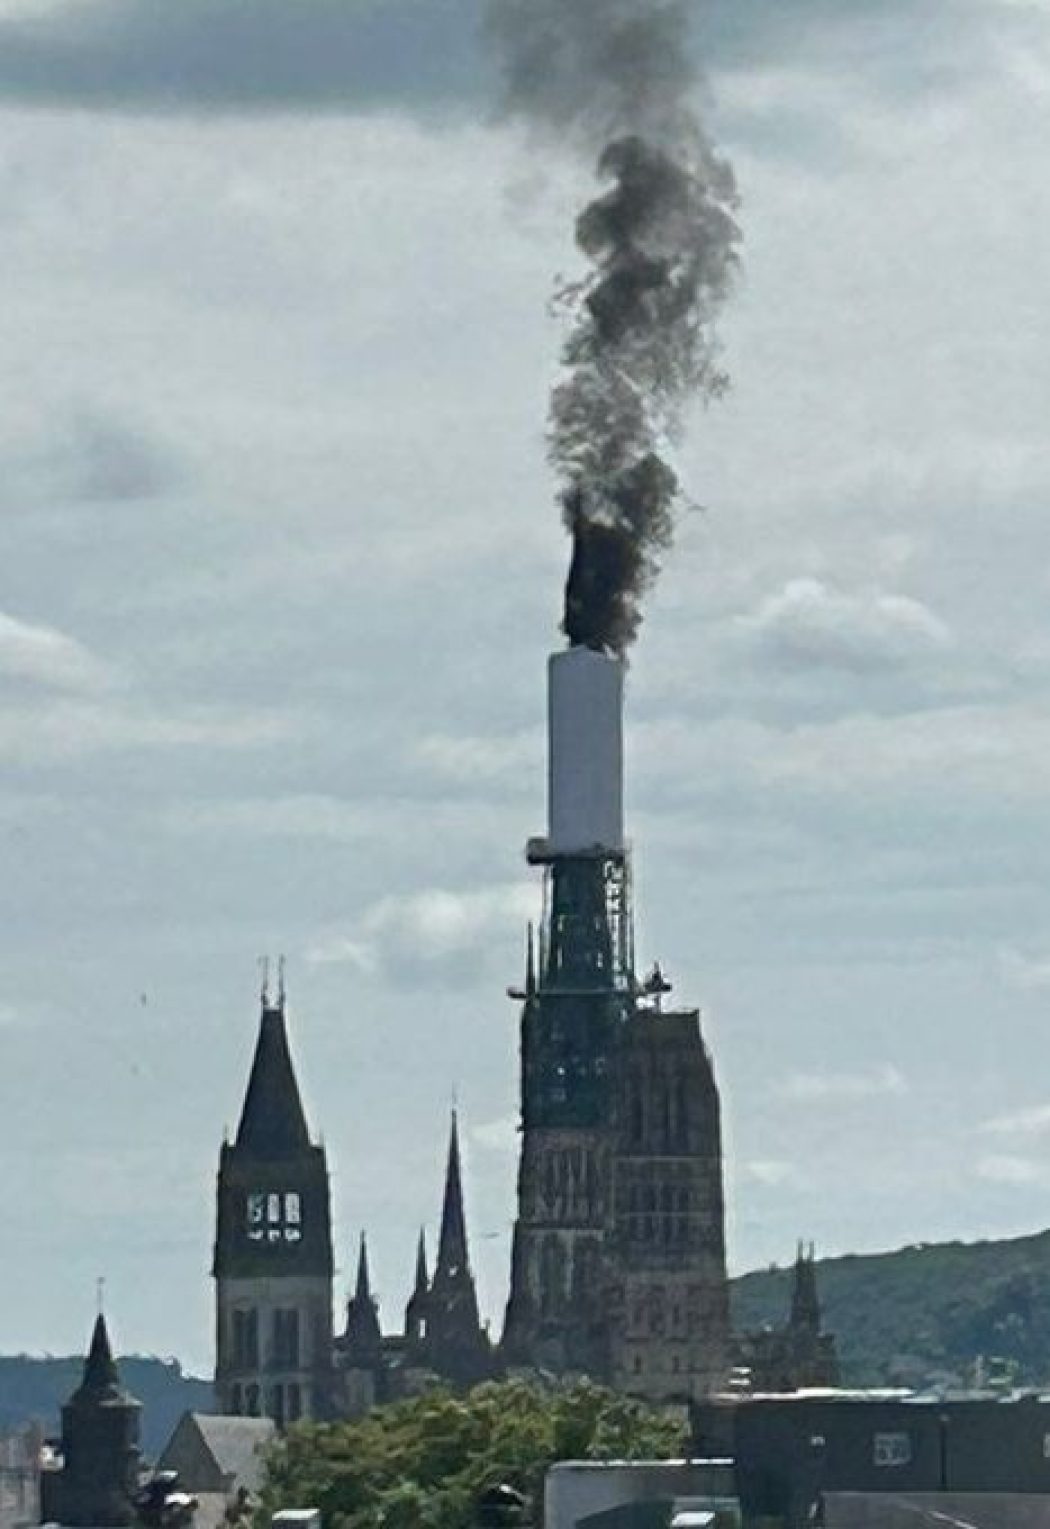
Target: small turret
x,y
363,1339
416,1310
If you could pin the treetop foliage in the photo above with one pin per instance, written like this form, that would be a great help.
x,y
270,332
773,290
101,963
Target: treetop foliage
x,y
424,1463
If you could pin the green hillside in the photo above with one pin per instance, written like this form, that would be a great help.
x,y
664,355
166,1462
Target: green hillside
x,y
924,1312
35,1388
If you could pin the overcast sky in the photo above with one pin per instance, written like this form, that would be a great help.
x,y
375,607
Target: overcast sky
x,y
279,570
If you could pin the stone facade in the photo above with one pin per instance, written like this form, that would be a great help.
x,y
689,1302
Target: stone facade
x,y
273,1249
97,1481
618,1263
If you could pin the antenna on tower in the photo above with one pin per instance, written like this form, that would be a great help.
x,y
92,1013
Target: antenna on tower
x,y
264,967
280,982
100,1294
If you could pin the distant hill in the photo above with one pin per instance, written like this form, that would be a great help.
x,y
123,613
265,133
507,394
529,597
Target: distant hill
x,y
924,1312
36,1388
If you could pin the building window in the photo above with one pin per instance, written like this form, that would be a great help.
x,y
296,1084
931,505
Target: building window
x,y
892,1449
236,1400
286,1338
274,1217
246,1338
251,1400
295,1402
276,1408
637,1364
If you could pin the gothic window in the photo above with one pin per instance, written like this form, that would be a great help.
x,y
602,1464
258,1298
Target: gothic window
x,y
552,1275
286,1338
246,1338
273,1217
636,1116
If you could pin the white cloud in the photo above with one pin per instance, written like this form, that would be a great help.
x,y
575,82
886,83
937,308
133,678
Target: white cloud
x,y
1006,1169
1024,971
810,624
1031,1121
44,656
438,932
812,1087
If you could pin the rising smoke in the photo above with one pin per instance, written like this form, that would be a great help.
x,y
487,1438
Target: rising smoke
x,y
617,78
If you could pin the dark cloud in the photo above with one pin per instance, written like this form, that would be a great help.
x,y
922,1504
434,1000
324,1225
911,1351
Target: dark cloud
x,y
248,55
243,54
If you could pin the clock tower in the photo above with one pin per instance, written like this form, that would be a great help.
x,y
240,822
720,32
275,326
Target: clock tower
x,y
273,1247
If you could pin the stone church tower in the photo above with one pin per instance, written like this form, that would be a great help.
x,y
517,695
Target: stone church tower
x,y
618,1262
273,1248
99,1479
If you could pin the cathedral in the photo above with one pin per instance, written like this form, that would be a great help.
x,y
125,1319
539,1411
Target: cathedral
x,y
618,1263
277,1353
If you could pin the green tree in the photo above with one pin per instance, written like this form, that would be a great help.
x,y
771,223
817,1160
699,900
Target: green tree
x,y
423,1463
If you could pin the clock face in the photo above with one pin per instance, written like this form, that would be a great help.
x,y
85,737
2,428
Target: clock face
x,y
274,1216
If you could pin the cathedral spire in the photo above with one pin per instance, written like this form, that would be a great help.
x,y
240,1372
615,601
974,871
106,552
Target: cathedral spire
x,y
363,1334
416,1309
272,1122
805,1302
452,1243
422,1278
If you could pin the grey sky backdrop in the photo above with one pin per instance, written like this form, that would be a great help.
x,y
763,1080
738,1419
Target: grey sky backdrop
x,y
280,570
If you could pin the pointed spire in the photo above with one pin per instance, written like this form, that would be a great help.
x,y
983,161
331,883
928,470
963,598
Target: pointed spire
x,y
364,1282
363,1333
805,1302
422,1277
272,1122
452,1243
100,1383
100,1370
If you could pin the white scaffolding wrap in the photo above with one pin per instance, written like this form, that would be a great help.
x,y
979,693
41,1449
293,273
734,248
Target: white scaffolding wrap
x,y
585,769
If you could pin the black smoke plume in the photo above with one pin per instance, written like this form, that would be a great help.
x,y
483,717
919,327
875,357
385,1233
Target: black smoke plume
x,y
617,78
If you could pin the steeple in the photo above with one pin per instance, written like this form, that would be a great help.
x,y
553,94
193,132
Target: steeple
x,y
273,1245
456,1346
452,1244
805,1302
101,1381
416,1310
363,1335
273,1124
100,1430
